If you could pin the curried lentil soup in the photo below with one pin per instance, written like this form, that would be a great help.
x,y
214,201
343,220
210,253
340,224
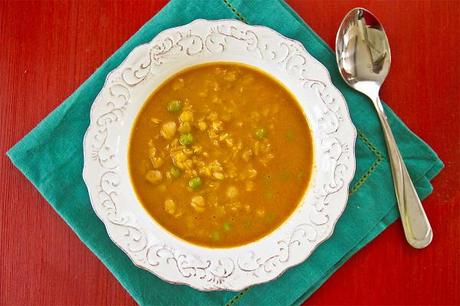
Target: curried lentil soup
x,y
220,155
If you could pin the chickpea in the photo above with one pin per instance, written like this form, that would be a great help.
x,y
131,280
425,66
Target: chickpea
x,y
170,206
198,203
232,192
168,130
154,176
186,116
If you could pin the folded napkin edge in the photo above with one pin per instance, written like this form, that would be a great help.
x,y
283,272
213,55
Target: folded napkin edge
x,y
390,217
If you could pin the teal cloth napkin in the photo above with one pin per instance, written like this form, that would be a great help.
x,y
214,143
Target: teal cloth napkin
x,y
51,157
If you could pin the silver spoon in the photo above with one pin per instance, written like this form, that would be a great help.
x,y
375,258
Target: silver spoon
x,y
363,57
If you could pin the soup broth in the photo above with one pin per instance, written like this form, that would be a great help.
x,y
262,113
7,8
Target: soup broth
x,y
220,155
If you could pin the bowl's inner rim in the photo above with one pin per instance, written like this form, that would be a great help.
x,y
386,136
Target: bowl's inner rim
x,y
152,225
149,100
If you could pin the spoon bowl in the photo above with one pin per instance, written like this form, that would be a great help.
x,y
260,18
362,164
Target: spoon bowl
x,y
364,58
361,36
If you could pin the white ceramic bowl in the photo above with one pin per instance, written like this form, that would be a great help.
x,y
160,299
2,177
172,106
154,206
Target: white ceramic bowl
x,y
148,244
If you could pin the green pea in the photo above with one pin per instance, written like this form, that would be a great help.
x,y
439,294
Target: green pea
x,y
195,182
260,133
175,172
215,236
186,139
227,226
174,106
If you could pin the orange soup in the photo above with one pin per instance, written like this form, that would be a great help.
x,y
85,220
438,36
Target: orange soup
x,y
220,155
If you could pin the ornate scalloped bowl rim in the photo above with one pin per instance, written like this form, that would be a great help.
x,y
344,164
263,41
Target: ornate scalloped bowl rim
x,y
237,284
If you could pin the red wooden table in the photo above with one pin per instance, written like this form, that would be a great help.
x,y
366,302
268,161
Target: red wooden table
x,y
48,48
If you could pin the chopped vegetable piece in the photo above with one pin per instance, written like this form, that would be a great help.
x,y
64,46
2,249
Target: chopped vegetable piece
x,y
252,173
152,151
202,125
260,212
197,149
175,172
186,139
157,162
232,192
198,203
195,182
170,206
218,175
247,155
155,120
154,176
260,133
185,127
174,106
186,116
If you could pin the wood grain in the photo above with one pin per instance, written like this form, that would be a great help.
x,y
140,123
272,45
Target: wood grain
x,y
40,38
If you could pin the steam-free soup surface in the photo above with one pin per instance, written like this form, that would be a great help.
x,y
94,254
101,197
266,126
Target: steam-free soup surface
x,y
220,155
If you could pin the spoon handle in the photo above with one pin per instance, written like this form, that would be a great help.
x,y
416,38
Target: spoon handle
x,y
417,228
